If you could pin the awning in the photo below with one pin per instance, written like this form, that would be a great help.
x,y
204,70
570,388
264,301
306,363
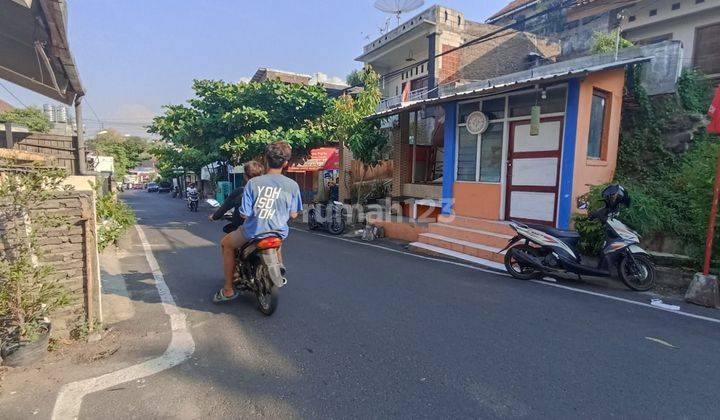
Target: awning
x,y
34,50
321,159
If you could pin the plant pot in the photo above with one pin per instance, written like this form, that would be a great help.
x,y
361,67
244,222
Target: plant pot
x,y
26,353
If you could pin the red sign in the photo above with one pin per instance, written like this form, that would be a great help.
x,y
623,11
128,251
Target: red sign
x,y
714,114
321,159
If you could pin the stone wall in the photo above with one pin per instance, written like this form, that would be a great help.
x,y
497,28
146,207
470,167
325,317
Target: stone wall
x,y
71,250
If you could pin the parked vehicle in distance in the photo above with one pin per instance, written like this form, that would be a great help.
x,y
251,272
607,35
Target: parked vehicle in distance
x,y
137,186
329,216
153,187
164,187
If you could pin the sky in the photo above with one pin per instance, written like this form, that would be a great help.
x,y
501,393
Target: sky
x,y
134,56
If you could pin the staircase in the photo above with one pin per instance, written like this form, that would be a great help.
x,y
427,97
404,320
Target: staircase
x,y
466,238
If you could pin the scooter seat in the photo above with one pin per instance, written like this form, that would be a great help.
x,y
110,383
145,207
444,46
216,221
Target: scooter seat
x,y
558,233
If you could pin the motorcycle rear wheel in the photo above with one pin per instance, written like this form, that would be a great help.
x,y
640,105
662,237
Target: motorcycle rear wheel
x,y
640,278
268,300
514,267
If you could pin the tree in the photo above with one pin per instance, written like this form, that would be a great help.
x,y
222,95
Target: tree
x,y
355,78
234,121
347,122
127,152
33,118
604,43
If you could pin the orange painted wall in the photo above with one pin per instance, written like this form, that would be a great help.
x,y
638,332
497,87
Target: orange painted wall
x,y
593,171
474,199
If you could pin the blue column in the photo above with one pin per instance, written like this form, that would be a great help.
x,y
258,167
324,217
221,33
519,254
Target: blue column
x,y
567,167
449,157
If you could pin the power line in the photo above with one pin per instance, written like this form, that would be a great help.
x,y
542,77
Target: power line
x,y
13,95
93,111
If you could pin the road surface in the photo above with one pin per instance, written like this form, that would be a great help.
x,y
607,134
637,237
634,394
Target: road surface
x,y
364,332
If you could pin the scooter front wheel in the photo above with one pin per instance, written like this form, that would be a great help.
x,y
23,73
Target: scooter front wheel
x,y
517,269
640,275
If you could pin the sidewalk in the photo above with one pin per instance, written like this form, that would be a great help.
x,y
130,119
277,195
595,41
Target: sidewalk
x,y
136,329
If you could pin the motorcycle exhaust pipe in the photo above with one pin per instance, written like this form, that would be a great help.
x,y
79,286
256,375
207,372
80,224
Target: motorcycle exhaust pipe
x,y
530,260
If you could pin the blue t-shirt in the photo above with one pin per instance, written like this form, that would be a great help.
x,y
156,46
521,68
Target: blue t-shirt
x,y
267,202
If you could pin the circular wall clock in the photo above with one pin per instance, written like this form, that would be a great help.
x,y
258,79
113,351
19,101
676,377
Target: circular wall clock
x,y
477,122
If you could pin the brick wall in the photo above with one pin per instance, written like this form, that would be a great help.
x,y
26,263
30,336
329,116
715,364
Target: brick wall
x,y
71,251
400,157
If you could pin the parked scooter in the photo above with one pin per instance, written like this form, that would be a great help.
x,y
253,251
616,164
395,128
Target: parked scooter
x,y
175,192
547,251
330,216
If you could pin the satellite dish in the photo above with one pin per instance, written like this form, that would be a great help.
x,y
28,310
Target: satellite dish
x,y
398,7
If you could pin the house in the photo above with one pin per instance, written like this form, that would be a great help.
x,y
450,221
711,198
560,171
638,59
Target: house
x,y
334,88
496,168
695,23
419,57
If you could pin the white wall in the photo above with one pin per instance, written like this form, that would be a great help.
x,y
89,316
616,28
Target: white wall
x,y
680,23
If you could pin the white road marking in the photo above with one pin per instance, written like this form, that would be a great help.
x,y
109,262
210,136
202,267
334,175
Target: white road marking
x,y
543,282
181,347
659,341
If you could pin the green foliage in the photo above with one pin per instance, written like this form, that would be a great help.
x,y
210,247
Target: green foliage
x,y
671,194
355,78
604,42
127,152
234,121
32,117
174,159
694,91
28,293
114,217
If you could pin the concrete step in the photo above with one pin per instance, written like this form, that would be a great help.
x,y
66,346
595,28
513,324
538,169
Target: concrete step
x,y
466,247
492,239
495,226
437,251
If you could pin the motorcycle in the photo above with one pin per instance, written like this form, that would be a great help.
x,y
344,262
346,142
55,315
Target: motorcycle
x,y
546,251
258,269
192,200
331,217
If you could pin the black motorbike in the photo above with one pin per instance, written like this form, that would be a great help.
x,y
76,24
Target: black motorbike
x,y
537,251
193,198
258,269
329,216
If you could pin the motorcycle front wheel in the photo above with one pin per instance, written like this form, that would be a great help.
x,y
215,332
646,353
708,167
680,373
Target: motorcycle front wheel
x,y
337,227
515,268
640,275
312,221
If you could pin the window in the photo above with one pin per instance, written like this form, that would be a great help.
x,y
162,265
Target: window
x,y
467,155
706,54
675,6
491,153
494,108
446,16
653,12
572,25
632,18
459,20
422,68
699,1
520,105
397,90
597,136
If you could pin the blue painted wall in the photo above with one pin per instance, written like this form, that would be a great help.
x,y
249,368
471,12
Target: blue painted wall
x,y
449,157
567,167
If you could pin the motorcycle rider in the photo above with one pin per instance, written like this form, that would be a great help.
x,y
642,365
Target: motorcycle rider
x,y
233,201
268,202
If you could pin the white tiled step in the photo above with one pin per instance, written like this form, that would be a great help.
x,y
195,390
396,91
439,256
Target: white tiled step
x,y
465,247
432,249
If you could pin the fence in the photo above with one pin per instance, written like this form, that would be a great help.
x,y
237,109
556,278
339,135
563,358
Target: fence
x,y
62,149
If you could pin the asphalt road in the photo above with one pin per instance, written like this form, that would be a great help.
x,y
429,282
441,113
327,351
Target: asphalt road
x,y
362,332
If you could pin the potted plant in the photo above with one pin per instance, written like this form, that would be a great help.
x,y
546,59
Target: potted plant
x,y
28,293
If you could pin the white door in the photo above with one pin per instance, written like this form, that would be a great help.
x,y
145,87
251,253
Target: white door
x,y
533,171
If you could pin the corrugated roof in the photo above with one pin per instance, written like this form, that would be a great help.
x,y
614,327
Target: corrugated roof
x,y
516,81
515,4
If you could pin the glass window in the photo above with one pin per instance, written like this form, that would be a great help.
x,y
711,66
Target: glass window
x,y
494,108
466,109
554,101
467,155
597,124
491,153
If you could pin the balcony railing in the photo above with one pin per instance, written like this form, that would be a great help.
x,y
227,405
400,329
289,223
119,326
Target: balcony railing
x,y
398,100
